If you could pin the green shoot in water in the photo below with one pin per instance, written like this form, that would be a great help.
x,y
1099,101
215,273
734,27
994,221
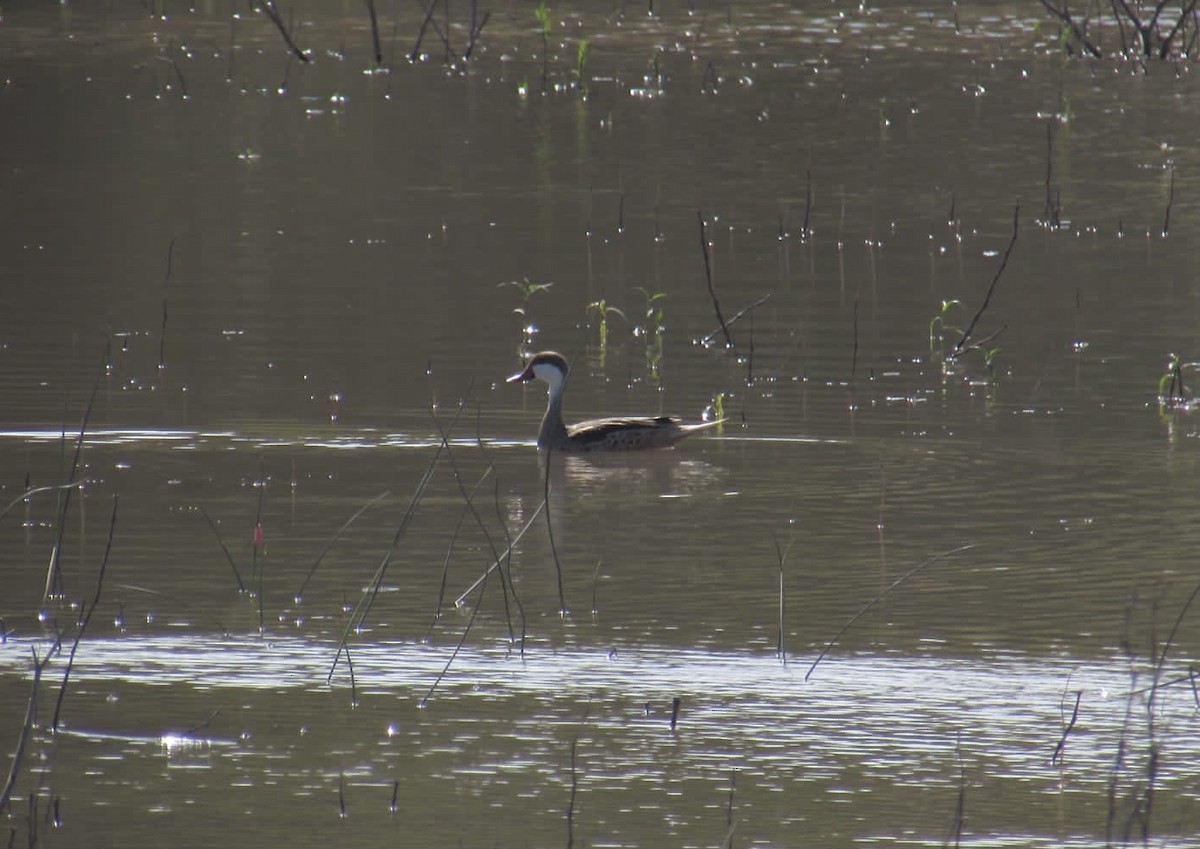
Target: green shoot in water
x,y
528,289
603,308
581,58
654,328
938,328
543,15
989,360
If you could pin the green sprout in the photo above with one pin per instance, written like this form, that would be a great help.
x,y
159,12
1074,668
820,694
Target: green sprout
x,y
938,326
603,308
543,15
528,290
989,360
581,59
654,328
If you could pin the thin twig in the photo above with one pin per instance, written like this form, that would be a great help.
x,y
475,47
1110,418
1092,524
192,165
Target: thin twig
x,y
40,489
960,347
224,548
1057,754
562,599
1064,15
470,503
781,554
506,570
14,769
854,353
458,602
960,809
462,517
571,799
162,331
375,32
271,11
708,279
367,599
462,640
806,229
879,596
736,316
475,29
1166,227
54,578
62,692
299,596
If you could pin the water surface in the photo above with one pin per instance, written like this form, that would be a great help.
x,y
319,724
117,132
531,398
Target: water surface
x,y
333,248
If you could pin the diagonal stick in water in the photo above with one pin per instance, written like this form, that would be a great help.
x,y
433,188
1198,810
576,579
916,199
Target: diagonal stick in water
x,y
875,601
359,614
458,602
54,577
271,11
300,592
503,520
87,617
712,293
224,548
462,517
987,299
706,339
29,493
470,504
39,663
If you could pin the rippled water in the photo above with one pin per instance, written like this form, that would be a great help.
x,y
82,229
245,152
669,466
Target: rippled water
x,y
754,741
271,288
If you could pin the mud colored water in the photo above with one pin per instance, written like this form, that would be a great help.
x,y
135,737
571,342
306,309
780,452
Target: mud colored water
x,y
273,286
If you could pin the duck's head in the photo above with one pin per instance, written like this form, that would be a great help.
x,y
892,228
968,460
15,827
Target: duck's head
x,y
546,365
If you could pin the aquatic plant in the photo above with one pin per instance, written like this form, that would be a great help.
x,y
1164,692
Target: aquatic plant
x,y
654,328
581,60
1172,394
542,13
528,289
938,328
966,342
602,307
718,406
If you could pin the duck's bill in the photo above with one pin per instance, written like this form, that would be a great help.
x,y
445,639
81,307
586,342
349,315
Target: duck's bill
x,y
521,376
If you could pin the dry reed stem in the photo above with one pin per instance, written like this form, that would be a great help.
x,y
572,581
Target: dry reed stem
x,y
271,11
708,279
879,596
470,505
54,575
367,599
329,544
228,556
62,692
961,346
14,769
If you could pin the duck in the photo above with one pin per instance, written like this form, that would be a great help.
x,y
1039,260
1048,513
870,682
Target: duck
x,y
618,433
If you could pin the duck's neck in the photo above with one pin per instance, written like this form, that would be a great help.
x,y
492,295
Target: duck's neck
x,y
553,432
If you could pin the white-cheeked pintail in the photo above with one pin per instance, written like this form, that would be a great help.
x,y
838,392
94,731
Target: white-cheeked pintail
x,y
620,433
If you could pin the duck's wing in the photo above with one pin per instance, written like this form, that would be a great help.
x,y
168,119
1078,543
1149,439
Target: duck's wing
x,y
630,433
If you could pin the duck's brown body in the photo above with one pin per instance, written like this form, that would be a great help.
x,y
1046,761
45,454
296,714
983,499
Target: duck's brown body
x,y
621,433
